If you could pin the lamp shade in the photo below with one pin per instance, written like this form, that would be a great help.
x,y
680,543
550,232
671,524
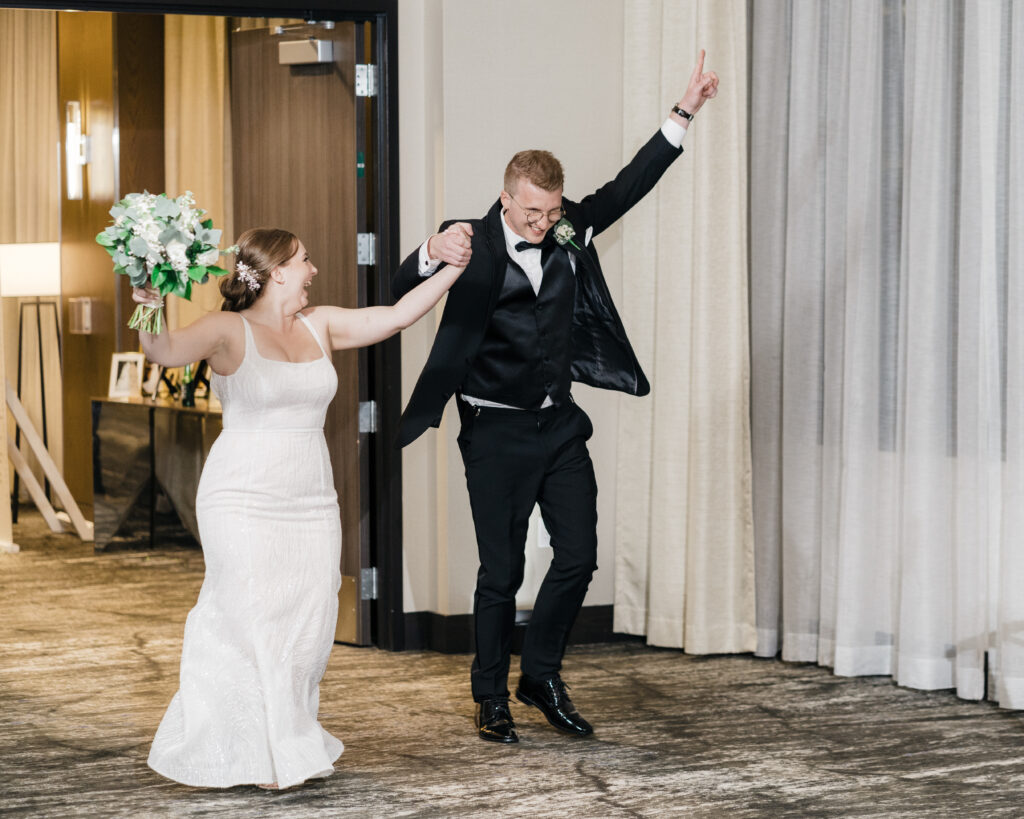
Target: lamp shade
x,y
30,269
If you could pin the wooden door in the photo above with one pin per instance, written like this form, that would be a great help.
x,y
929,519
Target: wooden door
x,y
296,138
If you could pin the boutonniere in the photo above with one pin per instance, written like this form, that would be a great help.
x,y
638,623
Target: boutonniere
x,y
564,231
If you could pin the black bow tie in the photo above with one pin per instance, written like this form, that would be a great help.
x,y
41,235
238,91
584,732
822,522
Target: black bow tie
x,y
545,242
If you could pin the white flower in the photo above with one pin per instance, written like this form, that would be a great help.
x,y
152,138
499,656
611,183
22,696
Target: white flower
x,y
208,257
564,231
176,255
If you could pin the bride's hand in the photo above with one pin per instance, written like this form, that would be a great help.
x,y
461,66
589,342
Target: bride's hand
x,y
147,295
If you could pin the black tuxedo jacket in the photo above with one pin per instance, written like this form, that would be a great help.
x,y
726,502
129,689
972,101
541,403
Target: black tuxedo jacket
x,y
602,355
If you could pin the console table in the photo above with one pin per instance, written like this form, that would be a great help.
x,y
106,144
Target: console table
x,y
147,457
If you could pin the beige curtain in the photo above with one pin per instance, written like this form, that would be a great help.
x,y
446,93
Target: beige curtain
x,y
197,115
29,136
30,205
684,572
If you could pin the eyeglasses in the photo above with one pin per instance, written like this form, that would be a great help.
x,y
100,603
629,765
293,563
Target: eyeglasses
x,y
533,215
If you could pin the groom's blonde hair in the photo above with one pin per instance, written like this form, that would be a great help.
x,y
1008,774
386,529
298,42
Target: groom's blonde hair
x,y
541,168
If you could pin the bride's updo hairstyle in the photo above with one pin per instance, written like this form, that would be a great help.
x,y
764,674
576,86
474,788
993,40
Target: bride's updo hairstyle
x,y
260,250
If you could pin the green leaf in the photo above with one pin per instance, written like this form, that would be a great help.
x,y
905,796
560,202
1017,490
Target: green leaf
x,y
213,270
183,289
105,239
166,287
197,273
207,223
159,276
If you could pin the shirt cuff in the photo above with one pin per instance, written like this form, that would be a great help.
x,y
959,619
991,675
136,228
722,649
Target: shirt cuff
x,y
428,266
673,132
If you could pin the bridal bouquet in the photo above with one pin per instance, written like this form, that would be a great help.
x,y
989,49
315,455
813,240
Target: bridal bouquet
x,y
156,240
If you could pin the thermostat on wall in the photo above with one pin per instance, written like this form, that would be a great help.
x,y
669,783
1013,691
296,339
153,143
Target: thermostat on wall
x,y
80,315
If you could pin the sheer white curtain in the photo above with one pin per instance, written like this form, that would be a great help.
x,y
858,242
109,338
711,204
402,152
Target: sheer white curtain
x,y
885,324
684,545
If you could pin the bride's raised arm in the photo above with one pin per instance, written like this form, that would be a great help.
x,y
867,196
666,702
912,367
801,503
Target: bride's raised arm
x,y
348,328
209,337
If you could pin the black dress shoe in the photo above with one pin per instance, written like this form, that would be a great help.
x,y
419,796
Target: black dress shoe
x,y
552,699
495,721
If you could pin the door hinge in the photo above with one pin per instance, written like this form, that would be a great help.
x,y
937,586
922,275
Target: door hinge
x,y
366,80
368,584
366,248
367,416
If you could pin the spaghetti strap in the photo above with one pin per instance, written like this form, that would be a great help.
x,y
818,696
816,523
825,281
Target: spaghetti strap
x,y
250,339
315,335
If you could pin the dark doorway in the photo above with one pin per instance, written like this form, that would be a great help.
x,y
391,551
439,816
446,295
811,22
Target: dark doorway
x,y
373,24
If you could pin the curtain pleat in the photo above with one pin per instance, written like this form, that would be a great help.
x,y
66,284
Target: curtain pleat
x,y
1009,646
197,115
29,129
684,544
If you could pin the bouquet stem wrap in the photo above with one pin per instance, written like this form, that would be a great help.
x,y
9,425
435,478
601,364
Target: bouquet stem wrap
x,y
147,318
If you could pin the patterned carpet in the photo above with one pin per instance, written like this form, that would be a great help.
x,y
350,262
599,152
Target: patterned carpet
x,y
89,648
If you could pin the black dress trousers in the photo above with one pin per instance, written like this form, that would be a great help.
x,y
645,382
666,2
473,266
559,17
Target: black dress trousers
x,y
515,459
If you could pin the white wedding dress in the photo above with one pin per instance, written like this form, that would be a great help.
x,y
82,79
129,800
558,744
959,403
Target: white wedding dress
x,y
257,642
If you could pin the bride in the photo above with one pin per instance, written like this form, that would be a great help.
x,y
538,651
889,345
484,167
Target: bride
x,y
257,642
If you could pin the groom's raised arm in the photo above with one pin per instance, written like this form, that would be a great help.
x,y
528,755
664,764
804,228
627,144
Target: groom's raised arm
x,y
611,201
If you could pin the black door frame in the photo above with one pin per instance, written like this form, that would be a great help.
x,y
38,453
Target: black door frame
x,y
384,370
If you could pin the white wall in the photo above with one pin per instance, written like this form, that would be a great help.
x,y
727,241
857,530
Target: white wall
x,y
478,81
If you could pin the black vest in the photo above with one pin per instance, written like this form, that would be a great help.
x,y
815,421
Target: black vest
x,y
526,353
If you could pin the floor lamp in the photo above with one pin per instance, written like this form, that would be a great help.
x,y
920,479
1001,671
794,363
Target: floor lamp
x,y
30,271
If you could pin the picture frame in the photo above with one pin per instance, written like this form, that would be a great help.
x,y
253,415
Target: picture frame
x,y
126,374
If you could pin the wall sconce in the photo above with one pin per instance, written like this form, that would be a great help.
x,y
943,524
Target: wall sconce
x,y
76,148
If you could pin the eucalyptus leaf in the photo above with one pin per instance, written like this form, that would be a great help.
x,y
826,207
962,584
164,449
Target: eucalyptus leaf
x,y
105,240
139,278
209,236
164,207
138,246
118,211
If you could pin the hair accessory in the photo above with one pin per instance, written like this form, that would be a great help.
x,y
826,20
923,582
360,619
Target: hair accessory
x,y
247,275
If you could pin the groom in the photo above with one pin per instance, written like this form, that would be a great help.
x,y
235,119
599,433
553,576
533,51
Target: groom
x,y
531,314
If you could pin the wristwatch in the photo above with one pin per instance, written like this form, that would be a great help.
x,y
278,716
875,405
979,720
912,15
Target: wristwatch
x,y
684,114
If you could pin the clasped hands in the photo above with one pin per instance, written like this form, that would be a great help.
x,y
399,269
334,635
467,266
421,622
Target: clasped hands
x,y
453,245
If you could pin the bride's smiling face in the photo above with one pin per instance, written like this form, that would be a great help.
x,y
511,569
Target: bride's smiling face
x,y
297,275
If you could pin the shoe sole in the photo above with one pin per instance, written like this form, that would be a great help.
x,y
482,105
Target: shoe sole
x,y
568,732
499,740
